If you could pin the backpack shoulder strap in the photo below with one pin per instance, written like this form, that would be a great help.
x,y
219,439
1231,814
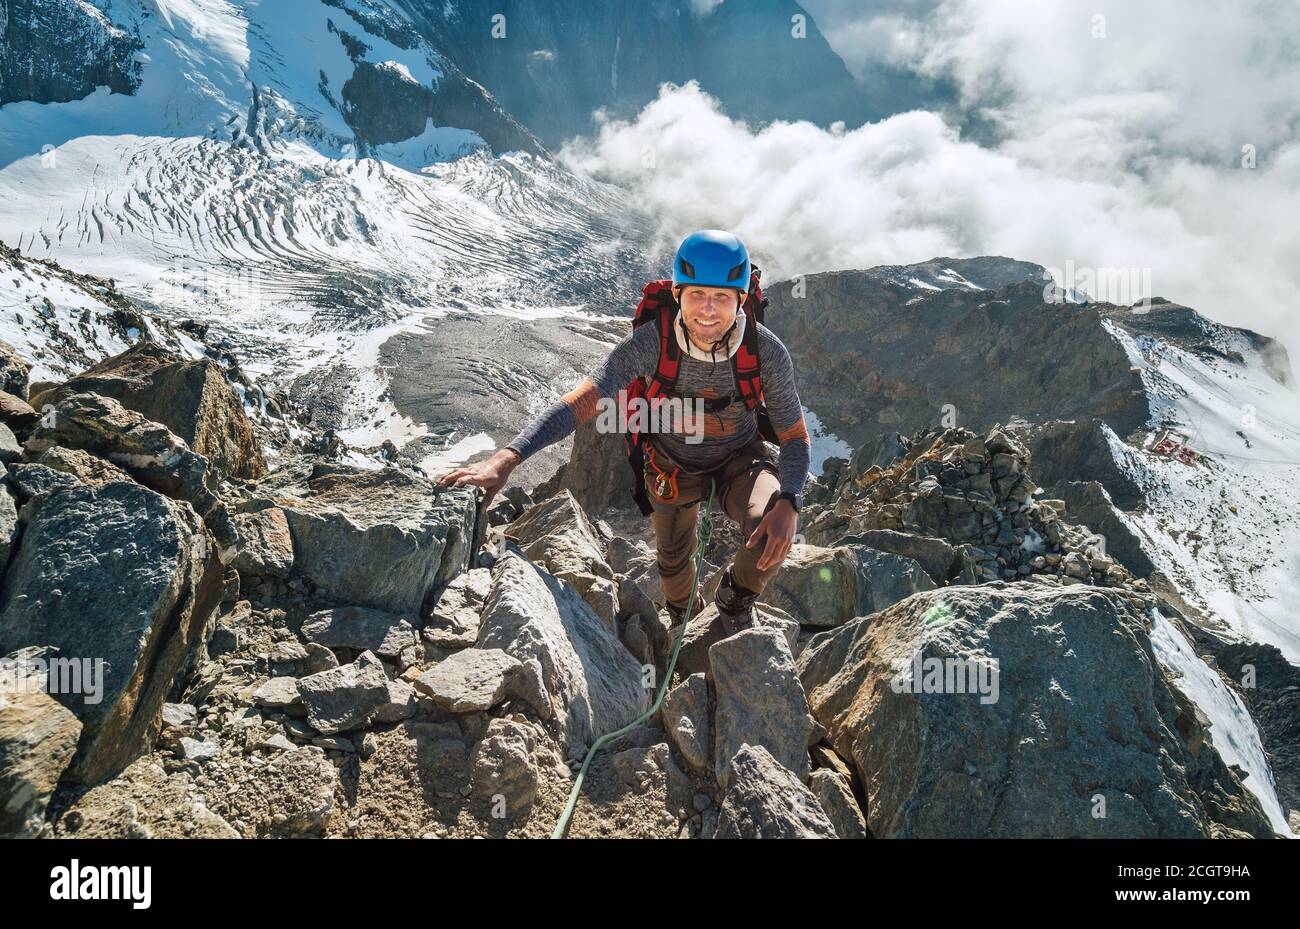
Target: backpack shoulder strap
x,y
660,307
745,363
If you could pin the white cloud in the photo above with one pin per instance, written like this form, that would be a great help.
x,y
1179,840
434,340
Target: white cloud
x,y
1115,152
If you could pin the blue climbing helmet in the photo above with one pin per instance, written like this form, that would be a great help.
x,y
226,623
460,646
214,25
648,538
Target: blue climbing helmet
x,y
712,258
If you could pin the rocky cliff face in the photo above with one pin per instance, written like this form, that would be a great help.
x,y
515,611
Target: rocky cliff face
x,y
57,50
385,104
965,355
558,62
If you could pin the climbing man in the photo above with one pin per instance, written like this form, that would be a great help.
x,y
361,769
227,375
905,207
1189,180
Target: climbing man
x,y
711,363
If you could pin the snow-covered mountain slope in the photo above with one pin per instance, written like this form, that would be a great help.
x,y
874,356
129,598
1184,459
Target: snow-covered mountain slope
x,y
1235,735
1224,526
61,322
349,75
988,272
281,173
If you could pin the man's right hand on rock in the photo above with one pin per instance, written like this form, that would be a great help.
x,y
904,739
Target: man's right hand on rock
x,y
491,474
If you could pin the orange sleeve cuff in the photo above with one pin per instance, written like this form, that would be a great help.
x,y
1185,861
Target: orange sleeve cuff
x,y
582,400
796,431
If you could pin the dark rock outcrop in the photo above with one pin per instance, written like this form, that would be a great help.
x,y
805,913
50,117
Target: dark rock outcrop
x,y
52,51
1088,504
1061,452
382,104
147,450
191,398
959,356
122,581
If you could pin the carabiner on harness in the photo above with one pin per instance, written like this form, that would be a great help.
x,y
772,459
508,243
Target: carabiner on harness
x,y
665,486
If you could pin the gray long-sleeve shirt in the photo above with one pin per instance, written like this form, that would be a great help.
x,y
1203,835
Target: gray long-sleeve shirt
x,y
696,445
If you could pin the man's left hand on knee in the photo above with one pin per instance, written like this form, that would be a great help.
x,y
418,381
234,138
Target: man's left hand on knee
x,y
776,531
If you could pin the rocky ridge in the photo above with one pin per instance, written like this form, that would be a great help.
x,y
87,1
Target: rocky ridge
x,y
369,654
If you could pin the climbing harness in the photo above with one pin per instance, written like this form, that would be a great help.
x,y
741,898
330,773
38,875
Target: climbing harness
x,y
705,532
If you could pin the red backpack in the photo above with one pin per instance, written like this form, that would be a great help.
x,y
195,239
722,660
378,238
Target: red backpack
x,y
658,306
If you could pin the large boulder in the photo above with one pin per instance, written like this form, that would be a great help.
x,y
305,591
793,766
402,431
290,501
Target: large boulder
x,y
380,538
1018,711
829,586
82,465
767,801
10,450
835,793
596,473
191,398
505,773
28,482
146,450
557,535
124,580
453,620
592,681
472,680
685,717
938,558
17,413
759,701
38,738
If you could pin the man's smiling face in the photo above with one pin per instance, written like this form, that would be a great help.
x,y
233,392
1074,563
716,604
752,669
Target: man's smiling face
x,y
708,311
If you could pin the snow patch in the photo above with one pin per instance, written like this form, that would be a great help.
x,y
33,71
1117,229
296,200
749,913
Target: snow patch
x,y
1233,731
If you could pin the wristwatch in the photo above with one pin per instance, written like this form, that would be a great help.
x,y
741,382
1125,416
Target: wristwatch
x,y
796,500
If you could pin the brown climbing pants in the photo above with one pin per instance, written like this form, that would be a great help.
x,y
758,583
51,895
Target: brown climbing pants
x,y
747,487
